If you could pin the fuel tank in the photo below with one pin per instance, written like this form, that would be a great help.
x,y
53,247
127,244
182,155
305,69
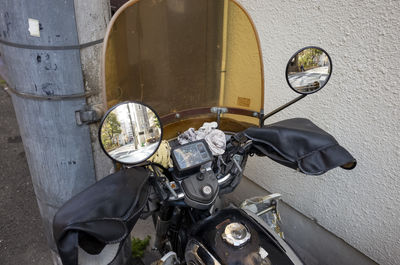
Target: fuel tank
x,y
237,237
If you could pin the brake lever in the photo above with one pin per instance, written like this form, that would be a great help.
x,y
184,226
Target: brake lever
x,y
235,159
168,184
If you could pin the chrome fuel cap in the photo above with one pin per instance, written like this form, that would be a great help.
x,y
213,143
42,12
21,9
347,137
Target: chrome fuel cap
x,y
207,190
236,234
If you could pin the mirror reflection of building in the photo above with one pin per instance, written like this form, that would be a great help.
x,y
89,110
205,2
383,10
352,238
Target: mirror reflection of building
x,y
138,125
142,124
127,135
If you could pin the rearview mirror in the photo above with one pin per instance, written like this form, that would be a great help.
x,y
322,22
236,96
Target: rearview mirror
x,y
308,70
130,133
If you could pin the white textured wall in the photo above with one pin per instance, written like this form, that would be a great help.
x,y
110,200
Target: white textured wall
x,y
359,106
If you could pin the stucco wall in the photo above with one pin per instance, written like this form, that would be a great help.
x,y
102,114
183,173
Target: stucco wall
x,y
359,106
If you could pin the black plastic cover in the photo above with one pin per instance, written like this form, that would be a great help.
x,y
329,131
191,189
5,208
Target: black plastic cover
x,y
193,185
300,144
104,213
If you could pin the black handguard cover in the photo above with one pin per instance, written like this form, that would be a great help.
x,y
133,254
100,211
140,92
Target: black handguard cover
x,y
300,144
104,213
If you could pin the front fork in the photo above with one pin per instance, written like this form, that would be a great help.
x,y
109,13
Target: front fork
x,y
266,207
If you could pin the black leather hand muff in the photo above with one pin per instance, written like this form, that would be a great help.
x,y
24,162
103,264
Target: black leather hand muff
x,y
104,213
300,144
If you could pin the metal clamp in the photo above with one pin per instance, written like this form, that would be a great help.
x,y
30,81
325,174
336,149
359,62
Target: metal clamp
x,y
89,114
219,110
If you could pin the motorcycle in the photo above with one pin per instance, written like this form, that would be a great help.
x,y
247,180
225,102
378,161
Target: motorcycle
x,y
183,195
175,175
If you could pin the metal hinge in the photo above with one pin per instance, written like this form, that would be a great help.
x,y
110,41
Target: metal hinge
x,y
89,114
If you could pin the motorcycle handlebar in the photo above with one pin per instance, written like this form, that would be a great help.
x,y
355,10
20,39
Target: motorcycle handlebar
x,y
224,179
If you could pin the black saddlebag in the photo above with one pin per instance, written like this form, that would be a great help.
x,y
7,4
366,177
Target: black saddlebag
x,y
300,144
104,213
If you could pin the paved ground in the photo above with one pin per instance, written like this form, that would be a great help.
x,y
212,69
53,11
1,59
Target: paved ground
x,y
308,77
21,238
142,229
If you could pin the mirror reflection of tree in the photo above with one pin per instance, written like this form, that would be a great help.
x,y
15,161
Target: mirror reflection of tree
x,y
110,132
309,58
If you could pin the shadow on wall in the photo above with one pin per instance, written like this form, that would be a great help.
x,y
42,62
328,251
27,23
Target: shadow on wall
x,y
116,4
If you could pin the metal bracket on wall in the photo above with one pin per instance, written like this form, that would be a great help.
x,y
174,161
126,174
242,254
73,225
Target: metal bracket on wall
x,y
89,114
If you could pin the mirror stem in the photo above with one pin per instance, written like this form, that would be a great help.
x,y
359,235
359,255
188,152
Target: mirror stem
x,y
266,116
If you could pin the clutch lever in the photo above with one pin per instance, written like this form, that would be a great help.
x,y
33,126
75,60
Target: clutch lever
x,y
168,184
235,159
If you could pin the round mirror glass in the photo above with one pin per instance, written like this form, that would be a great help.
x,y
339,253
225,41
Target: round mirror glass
x,y
130,133
308,70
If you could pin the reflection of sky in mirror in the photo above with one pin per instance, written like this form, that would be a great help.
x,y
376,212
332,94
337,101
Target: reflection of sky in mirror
x,y
122,113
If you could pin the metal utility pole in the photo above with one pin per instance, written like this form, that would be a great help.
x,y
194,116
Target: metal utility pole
x,y
92,17
51,51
